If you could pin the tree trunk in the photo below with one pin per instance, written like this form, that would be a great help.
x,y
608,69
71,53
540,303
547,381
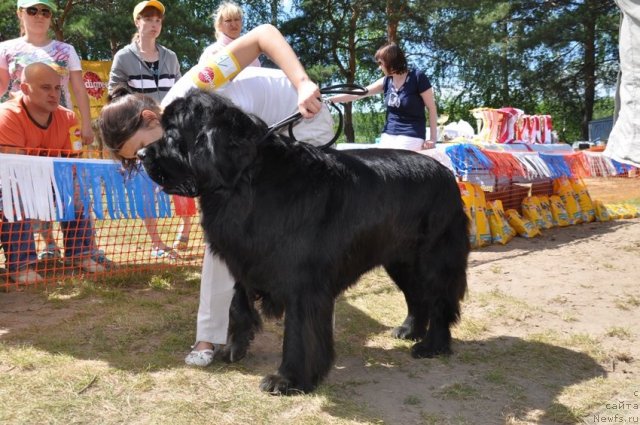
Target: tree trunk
x,y
589,70
394,10
349,131
505,67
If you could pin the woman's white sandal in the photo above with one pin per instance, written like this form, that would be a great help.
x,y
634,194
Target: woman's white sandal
x,y
202,358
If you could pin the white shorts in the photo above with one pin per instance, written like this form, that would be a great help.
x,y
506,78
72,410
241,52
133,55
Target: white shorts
x,y
400,142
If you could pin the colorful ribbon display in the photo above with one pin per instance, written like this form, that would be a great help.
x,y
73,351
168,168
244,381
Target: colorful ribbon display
x,y
531,161
46,188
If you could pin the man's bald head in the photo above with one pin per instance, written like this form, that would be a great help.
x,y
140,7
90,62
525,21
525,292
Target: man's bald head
x,y
41,86
37,71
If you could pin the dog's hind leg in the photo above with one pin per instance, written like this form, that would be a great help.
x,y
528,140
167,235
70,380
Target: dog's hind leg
x,y
405,276
308,351
244,322
443,274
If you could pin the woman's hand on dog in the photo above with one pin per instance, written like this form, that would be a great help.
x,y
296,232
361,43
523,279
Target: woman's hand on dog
x,y
309,102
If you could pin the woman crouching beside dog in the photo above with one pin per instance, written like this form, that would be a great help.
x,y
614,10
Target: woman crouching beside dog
x,y
132,121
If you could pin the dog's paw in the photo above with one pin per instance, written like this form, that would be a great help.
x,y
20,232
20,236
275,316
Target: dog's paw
x,y
279,385
404,332
232,353
424,350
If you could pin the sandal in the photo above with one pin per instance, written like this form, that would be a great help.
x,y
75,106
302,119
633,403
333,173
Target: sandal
x,y
161,253
201,358
100,257
50,252
181,243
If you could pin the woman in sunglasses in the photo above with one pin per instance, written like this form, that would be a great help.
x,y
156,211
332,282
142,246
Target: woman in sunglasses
x,y
34,45
406,94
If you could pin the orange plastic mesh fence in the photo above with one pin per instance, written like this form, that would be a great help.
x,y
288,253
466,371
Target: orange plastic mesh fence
x,y
99,249
118,247
49,252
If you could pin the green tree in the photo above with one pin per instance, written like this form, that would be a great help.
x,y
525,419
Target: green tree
x,y
540,56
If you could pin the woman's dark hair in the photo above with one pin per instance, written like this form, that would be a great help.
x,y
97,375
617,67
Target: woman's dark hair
x,y
122,117
393,58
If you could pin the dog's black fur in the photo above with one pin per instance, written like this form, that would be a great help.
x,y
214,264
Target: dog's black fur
x,y
297,226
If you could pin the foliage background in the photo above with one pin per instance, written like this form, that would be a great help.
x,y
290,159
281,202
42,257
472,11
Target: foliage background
x,y
556,57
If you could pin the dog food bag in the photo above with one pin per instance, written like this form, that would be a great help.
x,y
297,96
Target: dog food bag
x,y
628,211
614,210
602,213
466,192
559,211
532,210
483,230
634,210
584,199
562,187
501,231
524,227
547,216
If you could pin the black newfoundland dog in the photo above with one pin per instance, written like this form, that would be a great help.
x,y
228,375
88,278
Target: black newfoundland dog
x,y
298,225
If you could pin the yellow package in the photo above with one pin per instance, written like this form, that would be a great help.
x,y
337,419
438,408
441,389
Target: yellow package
x,y
602,213
501,231
472,227
532,211
618,211
584,199
634,210
614,210
560,216
547,216
466,193
562,187
523,226
628,211
483,231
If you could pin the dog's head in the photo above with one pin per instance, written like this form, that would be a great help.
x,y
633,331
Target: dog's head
x,y
207,144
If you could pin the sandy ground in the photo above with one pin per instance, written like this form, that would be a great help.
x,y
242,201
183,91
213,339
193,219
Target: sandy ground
x,y
572,285
575,287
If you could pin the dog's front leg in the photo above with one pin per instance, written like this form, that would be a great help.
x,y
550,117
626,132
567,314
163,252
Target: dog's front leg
x,y
308,345
244,322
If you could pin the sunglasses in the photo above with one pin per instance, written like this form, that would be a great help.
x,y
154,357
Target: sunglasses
x,y
33,11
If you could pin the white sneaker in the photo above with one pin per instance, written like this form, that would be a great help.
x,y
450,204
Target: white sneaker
x,y
26,276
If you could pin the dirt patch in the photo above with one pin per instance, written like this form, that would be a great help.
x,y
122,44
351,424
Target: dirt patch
x,y
571,294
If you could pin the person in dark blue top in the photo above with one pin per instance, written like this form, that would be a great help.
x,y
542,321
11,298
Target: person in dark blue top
x,y
406,94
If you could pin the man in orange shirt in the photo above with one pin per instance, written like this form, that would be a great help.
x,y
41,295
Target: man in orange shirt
x,y
35,124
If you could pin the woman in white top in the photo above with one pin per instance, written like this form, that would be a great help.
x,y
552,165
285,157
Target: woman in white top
x,y
34,45
227,21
